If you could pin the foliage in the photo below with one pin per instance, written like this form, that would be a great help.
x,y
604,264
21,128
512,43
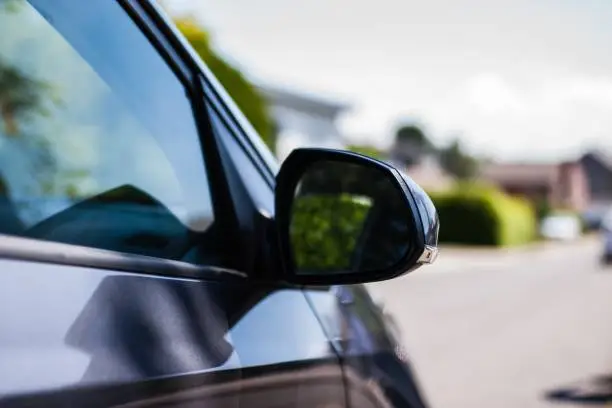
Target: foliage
x,y
484,216
369,151
10,5
458,163
325,229
413,135
475,187
413,143
543,209
22,99
20,96
235,83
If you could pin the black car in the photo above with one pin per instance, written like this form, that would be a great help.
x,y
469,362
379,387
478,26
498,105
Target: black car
x,y
153,253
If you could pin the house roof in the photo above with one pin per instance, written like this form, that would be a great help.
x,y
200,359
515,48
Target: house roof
x,y
520,173
601,156
302,100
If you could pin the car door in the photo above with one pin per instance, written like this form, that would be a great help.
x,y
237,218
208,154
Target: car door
x,y
132,227
377,368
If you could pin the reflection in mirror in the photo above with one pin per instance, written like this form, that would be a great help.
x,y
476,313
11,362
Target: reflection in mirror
x,y
348,217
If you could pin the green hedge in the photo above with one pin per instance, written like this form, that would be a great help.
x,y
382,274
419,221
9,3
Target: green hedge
x,y
481,215
324,230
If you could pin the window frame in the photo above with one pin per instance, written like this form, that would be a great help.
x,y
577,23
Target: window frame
x,y
207,92
210,94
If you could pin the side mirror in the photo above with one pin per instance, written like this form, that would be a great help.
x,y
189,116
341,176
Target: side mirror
x,y
344,218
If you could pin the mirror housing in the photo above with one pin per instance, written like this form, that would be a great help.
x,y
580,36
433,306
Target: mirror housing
x,y
345,218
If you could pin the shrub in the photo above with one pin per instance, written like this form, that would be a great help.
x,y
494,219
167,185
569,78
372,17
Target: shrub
x,y
481,215
543,209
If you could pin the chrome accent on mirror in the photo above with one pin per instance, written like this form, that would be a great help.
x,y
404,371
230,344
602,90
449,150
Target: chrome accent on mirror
x,y
429,255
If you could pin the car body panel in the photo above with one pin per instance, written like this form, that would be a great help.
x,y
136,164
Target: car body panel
x,y
376,366
70,334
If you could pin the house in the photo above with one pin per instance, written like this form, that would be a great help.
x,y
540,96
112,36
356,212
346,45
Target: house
x,y
426,171
598,168
306,120
303,120
410,150
561,185
421,163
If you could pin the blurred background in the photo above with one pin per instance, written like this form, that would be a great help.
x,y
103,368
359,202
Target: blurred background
x,y
502,111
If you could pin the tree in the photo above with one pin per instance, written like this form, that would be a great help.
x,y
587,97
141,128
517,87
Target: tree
x,y
235,83
455,161
411,144
11,5
23,99
413,135
20,96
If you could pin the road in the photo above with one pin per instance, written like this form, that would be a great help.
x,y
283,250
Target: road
x,y
496,330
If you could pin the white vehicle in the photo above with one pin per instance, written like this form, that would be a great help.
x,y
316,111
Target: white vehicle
x,y
564,227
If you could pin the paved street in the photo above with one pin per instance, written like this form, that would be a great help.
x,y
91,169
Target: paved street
x,y
495,330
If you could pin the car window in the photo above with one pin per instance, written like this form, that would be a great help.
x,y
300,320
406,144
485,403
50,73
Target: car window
x,y
98,144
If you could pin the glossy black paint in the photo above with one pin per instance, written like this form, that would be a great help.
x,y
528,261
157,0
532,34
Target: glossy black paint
x,y
377,368
82,327
430,221
86,337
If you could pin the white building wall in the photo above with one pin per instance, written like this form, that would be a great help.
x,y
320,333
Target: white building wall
x,y
302,129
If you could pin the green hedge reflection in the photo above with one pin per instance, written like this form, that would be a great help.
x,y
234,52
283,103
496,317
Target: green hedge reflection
x,y
325,229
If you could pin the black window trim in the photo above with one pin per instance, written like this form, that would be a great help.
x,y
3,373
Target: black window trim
x,y
214,102
209,94
204,91
169,42
56,253
234,131
139,15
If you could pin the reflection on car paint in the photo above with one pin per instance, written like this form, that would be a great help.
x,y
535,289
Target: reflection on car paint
x,y
370,352
81,326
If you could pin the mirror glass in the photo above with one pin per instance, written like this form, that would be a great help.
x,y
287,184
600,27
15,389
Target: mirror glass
x,y
348,218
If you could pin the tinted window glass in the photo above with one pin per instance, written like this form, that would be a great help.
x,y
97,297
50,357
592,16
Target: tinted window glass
x,y
98,144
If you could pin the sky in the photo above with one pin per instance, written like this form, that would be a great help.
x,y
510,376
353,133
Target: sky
x,y
513,79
